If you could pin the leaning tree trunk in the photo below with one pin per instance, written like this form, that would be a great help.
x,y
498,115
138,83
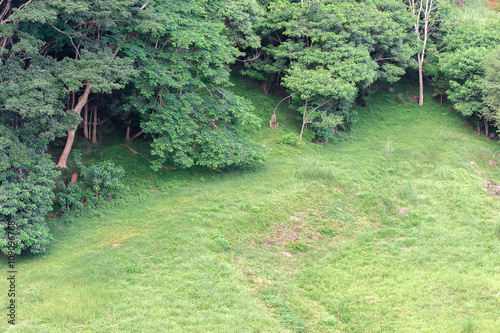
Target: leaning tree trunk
x,y
420,80
71,134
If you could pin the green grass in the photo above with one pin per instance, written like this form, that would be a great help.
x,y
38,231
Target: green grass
x,y
473,12
312,240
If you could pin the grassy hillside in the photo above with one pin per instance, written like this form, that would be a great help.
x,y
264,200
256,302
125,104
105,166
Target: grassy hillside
x,y
386,231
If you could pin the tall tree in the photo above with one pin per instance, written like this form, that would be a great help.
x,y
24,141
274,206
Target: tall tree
x,y
182,56
491,85
424,13
464,59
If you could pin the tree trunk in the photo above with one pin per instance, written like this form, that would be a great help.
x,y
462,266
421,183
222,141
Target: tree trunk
x,y
86,122
71,134
486,129
72,100
94,125
127,134
135,136
441,95
304,120
420,80
302,131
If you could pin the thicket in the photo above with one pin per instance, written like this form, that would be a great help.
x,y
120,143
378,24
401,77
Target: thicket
x,y
162,69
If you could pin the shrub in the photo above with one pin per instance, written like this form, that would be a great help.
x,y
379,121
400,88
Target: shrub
x,y
309,135
291,139
103,178
288,139
26,181
97,183
70,197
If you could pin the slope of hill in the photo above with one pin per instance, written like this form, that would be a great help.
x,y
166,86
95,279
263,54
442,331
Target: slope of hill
x,y
389,230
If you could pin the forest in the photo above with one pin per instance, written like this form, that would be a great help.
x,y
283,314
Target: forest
x,y
254,153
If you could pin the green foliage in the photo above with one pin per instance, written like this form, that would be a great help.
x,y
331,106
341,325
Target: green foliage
x,y
209,131
291,139
103,178
70,197
309,135
26,181
192,121
327,122
97,182
324,51
240,18
491,84
466,47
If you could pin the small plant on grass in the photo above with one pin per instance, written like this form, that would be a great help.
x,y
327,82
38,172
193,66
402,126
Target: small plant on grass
x,y
389,148
409,193
297,246
221,242
400,97
342,310
290,139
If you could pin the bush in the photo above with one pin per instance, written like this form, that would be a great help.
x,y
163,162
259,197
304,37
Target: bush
x,y
291,139
70,197
308,135
98,182
27,176
103,178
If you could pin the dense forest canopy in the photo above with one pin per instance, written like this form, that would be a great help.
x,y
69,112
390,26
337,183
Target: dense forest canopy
x,y
162,68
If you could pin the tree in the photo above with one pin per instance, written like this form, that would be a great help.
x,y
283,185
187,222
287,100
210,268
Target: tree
x,y
463,61
324,52
182,58
425,22
97,71
317,88
491,84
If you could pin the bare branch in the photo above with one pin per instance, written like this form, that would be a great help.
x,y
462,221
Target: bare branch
x,y
144,6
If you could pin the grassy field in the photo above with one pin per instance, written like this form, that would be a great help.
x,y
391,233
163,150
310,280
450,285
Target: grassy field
x,y
388,230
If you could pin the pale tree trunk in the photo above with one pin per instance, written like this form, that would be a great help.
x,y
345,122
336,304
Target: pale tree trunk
x,y
94,125
305,116
71,134
420,81
304,119
425,7
86,122
486,129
